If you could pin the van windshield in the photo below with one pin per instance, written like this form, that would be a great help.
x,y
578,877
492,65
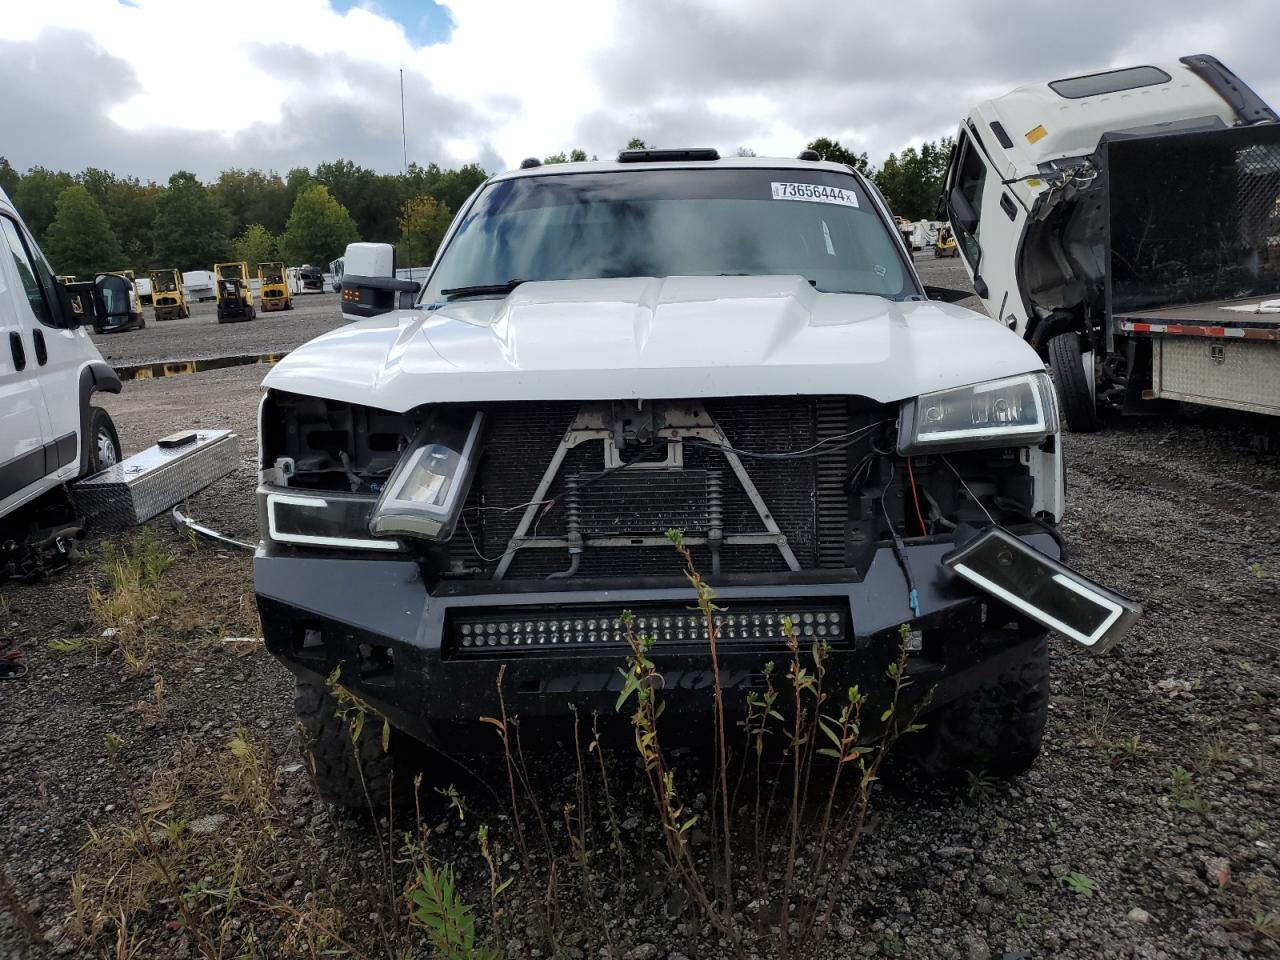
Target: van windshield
x,y
817,224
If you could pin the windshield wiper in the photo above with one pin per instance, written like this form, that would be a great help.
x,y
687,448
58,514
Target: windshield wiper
x,y
481,288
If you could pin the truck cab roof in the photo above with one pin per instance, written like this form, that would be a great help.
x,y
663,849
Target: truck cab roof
x,y
1038,123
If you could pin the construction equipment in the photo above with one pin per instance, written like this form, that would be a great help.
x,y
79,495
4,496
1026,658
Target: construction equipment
x,y
273,288
167,298
235,297
945,245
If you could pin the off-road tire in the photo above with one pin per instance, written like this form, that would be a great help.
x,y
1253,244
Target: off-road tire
x,y
102,431
994,731
1075,393
355,776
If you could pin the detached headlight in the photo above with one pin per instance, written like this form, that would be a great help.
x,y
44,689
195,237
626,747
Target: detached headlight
x,y
321,518
1010,412
425,494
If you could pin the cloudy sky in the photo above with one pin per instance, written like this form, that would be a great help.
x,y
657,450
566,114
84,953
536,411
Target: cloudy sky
x,y
144,87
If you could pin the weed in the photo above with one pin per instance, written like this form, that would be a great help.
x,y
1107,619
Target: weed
x,y
135,597
981,787
1124,750
1080,885
1213,754
1257,570
1186,792
449,923
80,645
892,945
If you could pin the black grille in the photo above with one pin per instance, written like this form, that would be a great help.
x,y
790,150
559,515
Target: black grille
x,y
805,497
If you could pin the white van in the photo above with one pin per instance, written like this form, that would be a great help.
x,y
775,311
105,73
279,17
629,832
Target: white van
x,y
50,431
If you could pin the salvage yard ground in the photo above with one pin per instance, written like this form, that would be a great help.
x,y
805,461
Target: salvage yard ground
x,y
151,778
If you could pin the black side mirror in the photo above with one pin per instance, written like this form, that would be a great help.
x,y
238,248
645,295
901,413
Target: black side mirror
x,y
371,296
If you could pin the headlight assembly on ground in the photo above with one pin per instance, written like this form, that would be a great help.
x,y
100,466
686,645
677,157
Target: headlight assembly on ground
x,y
1013,411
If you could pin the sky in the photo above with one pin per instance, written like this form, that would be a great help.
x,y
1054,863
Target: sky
x,y
146,87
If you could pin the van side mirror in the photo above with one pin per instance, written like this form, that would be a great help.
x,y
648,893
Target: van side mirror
x,y
369,283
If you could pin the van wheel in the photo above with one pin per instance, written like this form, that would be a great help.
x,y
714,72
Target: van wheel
x,y
103,441
357,776
1075,393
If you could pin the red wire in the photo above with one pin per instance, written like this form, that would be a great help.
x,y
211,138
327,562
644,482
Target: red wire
x,y
916,497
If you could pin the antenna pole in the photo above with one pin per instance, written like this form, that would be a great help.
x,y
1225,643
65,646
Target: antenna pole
x,y
404,140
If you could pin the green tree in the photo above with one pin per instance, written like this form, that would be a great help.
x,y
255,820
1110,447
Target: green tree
x,y
37,196
255,245
912,181
831,150
453,187
423,222
9,178
80,240
573,156
635,143
372,199
319,228
252,196
130,206
190,228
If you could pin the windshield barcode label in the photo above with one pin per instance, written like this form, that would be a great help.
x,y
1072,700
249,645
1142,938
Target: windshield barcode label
x,y
814,193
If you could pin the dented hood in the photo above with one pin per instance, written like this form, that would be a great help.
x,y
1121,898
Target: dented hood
x,y
644,338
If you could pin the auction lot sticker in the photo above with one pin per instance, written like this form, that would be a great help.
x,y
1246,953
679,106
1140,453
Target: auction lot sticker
x,y
814,193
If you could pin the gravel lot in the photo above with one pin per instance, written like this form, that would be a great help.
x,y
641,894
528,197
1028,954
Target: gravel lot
x,y
1179,512
200,336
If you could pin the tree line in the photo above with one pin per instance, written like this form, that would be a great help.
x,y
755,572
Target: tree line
x,y
95,220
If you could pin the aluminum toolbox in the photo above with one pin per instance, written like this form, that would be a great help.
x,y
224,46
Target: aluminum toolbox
x,y
139,487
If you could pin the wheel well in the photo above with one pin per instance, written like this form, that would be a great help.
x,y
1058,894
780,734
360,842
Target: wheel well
x,y
94,378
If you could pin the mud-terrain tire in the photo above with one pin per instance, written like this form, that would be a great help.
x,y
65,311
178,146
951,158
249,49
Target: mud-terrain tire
x,y
994,731
1075,393
102,442
335,763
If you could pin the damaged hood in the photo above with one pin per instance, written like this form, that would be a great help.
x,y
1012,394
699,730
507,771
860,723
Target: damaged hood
x,y
644,338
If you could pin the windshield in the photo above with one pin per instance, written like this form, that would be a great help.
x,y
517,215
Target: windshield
x,y
817,224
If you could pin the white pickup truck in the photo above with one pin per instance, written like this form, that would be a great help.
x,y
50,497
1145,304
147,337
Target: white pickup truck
x,y
475,479
50,370
1127,224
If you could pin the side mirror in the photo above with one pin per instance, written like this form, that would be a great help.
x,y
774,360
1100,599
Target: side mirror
x,y
369,283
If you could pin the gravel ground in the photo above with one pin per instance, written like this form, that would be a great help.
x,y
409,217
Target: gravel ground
x,y
200,336
1178,512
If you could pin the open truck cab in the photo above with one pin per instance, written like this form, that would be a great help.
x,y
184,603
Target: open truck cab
x,y
1127,225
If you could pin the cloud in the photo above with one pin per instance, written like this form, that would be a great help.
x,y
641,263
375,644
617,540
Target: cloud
x,y
295,82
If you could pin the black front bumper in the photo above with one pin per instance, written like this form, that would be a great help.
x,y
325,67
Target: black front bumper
x,y
391,636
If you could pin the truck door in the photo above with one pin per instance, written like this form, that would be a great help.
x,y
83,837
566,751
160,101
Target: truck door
x,y
988,221
24,421
59,348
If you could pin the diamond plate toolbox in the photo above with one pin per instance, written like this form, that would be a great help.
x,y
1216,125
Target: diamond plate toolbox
x,y
139,487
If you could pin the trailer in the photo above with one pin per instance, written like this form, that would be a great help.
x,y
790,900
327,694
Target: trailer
x,y
199,285
1127,224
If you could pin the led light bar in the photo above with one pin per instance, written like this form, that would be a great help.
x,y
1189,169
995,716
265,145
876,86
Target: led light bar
x,y
1050,593
519,630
